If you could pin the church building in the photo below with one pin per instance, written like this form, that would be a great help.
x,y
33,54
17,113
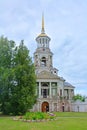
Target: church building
x,y
53,92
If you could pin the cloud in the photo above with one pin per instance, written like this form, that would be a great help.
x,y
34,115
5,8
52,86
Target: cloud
x,y
81,91
65,23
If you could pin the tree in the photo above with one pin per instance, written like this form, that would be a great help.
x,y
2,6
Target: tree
x,y
23,96
17,78
6,50
79,97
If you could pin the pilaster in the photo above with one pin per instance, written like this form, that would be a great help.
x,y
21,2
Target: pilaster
x,y
39,89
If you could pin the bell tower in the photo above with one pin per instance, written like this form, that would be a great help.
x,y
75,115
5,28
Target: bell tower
x,y
52,91
43,56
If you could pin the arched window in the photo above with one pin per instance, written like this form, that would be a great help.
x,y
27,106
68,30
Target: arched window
x,y
43,61
45,84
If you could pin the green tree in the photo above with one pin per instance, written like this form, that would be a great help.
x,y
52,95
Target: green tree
x,y
79,97
23,94
17,78
6,51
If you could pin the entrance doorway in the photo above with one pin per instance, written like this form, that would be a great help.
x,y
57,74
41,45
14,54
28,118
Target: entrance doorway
x,y
45,107
63,107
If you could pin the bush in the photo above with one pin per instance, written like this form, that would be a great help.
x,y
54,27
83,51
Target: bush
x,y
38,116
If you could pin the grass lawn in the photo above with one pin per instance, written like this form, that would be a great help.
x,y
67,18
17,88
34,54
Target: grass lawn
x,y
65,121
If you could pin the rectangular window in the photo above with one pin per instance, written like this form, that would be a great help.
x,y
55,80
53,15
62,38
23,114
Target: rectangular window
x,y
54,91
43,40
44,93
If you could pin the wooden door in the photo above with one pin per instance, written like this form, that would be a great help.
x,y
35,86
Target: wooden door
x,y
45,107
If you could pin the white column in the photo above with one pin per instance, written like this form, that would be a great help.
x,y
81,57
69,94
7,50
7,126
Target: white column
x,y
57,91
39,89
50,90
69,93
57,88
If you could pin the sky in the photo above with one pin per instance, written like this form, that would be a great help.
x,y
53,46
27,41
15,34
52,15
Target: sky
x,y
65,24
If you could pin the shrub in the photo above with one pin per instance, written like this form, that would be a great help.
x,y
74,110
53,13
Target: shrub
x,y
38,116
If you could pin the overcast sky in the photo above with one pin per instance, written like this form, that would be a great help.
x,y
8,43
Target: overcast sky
x,y
65,24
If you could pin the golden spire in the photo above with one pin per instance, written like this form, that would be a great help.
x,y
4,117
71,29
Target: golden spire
x,y
42,31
